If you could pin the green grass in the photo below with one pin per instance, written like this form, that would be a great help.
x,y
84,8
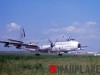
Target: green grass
x,y
29,64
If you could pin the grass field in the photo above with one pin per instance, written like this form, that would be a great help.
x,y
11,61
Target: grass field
x,y
29,64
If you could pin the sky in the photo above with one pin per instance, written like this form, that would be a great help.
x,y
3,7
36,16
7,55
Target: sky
x,y
51,19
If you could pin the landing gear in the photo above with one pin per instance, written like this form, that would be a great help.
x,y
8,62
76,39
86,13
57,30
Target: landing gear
x,y
37,54
59,54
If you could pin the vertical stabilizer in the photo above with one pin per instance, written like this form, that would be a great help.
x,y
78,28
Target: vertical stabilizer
x,y
22,33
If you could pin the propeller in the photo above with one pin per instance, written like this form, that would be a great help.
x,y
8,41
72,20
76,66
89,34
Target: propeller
x,y
52,44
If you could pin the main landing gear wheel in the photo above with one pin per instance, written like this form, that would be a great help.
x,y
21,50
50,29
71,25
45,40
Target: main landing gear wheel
x,y
37,54
59,54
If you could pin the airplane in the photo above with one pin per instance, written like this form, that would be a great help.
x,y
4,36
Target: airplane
x,y
66,46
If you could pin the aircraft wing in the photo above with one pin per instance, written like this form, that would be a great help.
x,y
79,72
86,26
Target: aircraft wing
x,y
15,40
30,46
18,45
20,42
3,42
9,44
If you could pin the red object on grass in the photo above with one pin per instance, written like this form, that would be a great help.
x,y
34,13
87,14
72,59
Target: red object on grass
x,y
52,69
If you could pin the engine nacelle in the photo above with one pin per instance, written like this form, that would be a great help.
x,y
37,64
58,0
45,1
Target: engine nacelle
x,y
6,44
19,46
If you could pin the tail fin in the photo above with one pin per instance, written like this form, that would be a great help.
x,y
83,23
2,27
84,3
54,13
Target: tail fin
x,y
22,33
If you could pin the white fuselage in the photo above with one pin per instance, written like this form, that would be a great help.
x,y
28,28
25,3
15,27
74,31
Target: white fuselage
x,y
62,46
